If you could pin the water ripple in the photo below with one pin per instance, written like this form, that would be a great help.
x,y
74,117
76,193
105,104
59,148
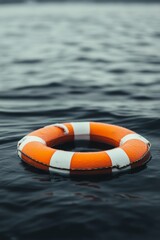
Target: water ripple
x,y
77,62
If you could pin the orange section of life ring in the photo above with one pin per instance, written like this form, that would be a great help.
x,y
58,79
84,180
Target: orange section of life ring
x,y
130,149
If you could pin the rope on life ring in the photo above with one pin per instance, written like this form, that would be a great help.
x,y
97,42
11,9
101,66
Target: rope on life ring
x,y
130,149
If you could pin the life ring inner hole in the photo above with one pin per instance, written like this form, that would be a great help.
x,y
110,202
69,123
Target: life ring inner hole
x,y
83,146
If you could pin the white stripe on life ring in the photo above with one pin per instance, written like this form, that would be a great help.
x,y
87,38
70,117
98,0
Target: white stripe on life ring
x,y
81,130
26,140
61,159
134,136
59,171
118,157
59,125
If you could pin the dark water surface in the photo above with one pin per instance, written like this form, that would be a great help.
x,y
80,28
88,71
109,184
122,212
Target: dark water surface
x,y
62,63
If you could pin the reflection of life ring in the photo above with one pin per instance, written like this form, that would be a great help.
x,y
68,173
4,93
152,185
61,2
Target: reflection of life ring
x,y
131,150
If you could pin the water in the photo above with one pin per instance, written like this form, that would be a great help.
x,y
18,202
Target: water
x,y
62,63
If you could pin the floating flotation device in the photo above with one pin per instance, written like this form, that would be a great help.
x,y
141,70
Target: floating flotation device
x,y
130,149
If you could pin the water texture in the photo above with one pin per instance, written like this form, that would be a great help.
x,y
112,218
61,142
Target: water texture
x,y
78,62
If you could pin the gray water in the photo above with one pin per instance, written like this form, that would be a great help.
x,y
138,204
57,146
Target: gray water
x,y
78,62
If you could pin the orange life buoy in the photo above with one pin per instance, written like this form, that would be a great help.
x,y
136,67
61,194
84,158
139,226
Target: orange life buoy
x,y
130,149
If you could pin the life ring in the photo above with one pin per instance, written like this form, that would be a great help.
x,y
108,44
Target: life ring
x,y
130,149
